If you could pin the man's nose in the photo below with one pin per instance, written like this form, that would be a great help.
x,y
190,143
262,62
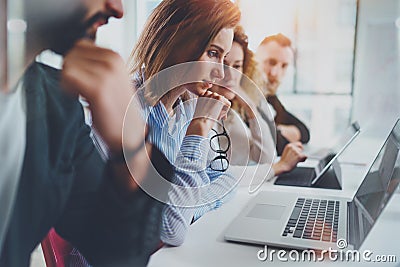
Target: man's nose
x,y
115,8
274,71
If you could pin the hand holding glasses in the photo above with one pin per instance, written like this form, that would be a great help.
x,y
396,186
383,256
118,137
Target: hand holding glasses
x,y
220,143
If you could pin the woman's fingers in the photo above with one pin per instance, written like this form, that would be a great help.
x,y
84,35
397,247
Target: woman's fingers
x,y
211,107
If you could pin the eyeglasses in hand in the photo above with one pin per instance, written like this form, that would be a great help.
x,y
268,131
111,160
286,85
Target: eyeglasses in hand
x,y
220,143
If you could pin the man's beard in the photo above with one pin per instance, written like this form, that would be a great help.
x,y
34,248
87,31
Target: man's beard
x,y
58,33
90,22
272,87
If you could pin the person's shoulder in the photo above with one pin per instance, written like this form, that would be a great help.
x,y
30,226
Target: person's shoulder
x,y
273,98
39,72
42,87
274,101
48,64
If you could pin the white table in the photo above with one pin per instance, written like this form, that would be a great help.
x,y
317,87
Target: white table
x,y
205,245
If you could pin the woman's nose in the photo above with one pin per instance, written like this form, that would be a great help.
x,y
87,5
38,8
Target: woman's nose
x,y
218,71
228,73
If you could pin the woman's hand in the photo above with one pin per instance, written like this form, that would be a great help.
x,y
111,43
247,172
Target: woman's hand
x,y
210,107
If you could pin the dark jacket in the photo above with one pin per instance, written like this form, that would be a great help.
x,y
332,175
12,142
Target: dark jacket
x,y
66,185
286,118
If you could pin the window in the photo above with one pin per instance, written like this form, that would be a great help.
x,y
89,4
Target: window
x,y
144,9
319,88
121,34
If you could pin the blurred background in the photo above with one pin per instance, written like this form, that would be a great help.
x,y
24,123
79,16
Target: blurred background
x,y
347,55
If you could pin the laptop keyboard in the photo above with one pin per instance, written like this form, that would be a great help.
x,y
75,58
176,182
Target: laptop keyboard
x,y
314,219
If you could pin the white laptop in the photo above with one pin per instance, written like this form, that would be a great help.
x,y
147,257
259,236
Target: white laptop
x,y
299,221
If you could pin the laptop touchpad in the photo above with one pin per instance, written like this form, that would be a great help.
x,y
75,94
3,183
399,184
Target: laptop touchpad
x,y
266,211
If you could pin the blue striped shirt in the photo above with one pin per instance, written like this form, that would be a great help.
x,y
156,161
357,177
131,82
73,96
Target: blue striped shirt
x,y
190,155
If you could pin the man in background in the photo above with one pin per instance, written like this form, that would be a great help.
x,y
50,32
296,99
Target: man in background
x,y
274,55
51,175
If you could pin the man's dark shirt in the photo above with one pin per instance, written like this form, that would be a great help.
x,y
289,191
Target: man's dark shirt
x,y
66,185
286,118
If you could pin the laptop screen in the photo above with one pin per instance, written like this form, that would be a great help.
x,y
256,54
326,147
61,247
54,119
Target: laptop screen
x,y
326,154
375,191
327,162
347,135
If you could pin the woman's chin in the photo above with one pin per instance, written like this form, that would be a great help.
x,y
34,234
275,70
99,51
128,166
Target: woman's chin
x,y
228,94
199,88
230,97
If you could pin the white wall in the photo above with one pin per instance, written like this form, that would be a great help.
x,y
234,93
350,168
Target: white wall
x,y
376,102
120,34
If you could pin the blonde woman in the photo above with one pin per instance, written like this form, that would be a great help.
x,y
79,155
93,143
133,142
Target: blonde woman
x,y
251,137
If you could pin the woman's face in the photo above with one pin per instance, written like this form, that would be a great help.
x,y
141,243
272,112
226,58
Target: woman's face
x,y
215,54
233,72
